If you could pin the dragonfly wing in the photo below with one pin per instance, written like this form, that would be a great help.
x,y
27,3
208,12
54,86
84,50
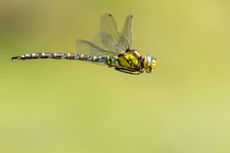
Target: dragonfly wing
x,y
109,37
89,48
108,26
109,41
126,36
106,41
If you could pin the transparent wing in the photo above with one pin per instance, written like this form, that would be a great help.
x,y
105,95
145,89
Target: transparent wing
x,y
108,41
126,37
108,26
89,48
110,38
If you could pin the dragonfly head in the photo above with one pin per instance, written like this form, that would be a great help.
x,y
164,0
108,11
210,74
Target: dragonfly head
x,y
149,63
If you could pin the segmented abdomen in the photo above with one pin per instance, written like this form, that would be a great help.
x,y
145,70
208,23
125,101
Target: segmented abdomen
x,y
45,56
108,60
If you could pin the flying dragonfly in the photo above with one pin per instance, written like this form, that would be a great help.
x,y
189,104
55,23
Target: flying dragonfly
x,y
111,48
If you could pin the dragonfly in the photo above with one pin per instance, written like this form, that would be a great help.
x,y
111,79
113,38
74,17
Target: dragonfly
x,y
110,47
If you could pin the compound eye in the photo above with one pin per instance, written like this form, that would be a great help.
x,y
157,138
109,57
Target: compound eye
x,y
149,60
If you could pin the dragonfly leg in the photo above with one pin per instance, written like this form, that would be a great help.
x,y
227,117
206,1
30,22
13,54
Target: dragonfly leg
x,y
129,71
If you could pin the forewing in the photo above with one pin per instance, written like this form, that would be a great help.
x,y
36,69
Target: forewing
x,y
126,36
108,40
109,37
108,26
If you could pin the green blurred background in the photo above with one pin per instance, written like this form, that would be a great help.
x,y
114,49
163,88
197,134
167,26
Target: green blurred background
x,y
54,106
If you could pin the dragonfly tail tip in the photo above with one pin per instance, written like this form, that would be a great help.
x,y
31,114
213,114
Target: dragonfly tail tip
x,y
14,58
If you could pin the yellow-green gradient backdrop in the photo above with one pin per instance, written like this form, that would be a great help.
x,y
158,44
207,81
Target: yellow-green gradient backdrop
x,y
50,106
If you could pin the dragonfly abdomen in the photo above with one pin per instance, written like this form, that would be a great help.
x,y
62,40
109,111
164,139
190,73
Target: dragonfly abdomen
x,y
107,60
45,56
